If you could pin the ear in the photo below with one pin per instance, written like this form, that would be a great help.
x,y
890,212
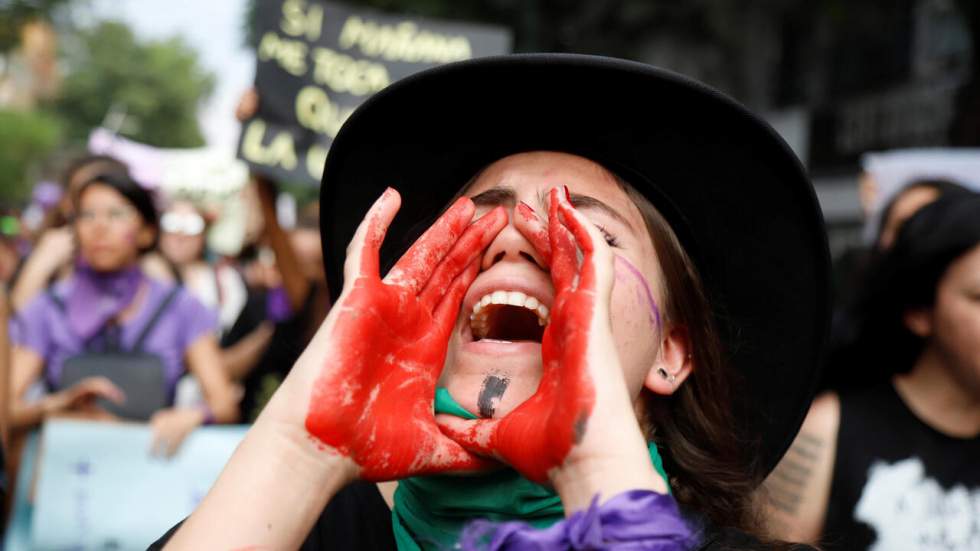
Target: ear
x,y
919,321
673,363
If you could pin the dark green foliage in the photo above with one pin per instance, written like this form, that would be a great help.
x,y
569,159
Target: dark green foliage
x,y
27,139
158,85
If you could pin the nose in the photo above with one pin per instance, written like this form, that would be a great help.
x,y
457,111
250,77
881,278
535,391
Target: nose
x,y
510,245
99,222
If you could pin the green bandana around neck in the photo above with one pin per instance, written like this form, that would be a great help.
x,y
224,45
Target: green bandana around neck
x,y
431,511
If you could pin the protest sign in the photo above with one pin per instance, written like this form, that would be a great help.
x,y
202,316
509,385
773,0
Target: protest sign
x,y
99,488
317,61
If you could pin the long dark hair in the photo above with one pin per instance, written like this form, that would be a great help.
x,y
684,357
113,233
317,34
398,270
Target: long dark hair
x,y
940,186
135,194
105,163
711,470
905,278
710,473
56,217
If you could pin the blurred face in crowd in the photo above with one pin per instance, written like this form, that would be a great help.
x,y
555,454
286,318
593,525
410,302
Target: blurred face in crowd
x,y
111,233
502,345
952,325
182,237
306,243
906,205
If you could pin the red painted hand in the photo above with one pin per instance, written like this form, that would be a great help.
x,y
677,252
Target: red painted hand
x,y
387,340
547,430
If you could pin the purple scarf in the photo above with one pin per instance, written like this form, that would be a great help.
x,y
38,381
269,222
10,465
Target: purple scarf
x,y
94,297
636,520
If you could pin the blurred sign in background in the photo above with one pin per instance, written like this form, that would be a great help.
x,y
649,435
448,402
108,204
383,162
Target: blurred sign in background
x,y
96,487
836,78
317,61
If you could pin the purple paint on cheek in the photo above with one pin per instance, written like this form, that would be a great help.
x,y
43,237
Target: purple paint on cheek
x,y
635,272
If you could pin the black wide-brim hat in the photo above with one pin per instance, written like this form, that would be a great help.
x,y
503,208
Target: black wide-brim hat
x,y
735,194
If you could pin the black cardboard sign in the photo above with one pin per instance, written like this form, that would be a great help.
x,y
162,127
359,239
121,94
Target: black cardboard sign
x,y
317,61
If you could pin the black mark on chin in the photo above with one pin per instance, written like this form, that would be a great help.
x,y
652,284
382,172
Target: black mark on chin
x,y
493,389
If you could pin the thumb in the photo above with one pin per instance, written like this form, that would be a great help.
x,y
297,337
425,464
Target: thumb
x,y
475,435
362,251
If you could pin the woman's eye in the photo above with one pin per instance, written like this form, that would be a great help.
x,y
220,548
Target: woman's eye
x,y
610,238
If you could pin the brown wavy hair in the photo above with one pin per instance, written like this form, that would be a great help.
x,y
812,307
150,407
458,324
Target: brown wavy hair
x,y
709,471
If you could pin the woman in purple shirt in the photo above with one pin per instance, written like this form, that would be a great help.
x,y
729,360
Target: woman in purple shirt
x,y
106,304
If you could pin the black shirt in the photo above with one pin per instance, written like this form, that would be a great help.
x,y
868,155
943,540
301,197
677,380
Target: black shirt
x,y
289,339
898,483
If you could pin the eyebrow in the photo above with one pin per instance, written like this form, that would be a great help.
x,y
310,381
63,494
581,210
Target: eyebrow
x,y
502,195
506,196
586,202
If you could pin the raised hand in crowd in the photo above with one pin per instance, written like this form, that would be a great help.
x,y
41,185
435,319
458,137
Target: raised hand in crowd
x,y
54,250
79,399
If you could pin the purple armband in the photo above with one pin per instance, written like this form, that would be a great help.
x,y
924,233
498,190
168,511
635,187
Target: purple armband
x,y
633,520
277,306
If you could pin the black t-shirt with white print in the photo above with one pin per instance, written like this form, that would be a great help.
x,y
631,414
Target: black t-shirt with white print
x,y
899,484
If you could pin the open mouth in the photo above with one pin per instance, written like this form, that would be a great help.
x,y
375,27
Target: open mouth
x,y
509,316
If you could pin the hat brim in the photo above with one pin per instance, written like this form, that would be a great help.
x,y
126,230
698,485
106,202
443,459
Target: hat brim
x,y
731,189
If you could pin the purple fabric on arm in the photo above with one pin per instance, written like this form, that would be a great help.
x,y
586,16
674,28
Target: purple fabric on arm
x,y
634,520
277,305
43,328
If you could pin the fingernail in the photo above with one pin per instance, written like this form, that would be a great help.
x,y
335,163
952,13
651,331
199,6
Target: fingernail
x,y
567,194
527,209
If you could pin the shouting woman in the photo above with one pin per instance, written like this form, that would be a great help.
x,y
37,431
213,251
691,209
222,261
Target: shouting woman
x,y
605,335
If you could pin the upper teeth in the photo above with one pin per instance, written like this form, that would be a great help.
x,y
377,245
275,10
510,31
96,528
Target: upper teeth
x,y
513,298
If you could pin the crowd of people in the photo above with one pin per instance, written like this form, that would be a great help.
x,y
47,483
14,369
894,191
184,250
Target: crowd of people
x,y
114,279
599,344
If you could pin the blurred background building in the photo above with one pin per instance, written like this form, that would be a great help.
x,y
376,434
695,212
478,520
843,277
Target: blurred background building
x,y
836,78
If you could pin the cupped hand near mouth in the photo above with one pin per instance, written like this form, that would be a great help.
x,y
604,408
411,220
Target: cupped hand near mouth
x,y
386,342
581,415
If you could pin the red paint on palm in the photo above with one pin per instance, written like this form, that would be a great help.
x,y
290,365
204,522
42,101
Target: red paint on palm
x,y
373,399
538,435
